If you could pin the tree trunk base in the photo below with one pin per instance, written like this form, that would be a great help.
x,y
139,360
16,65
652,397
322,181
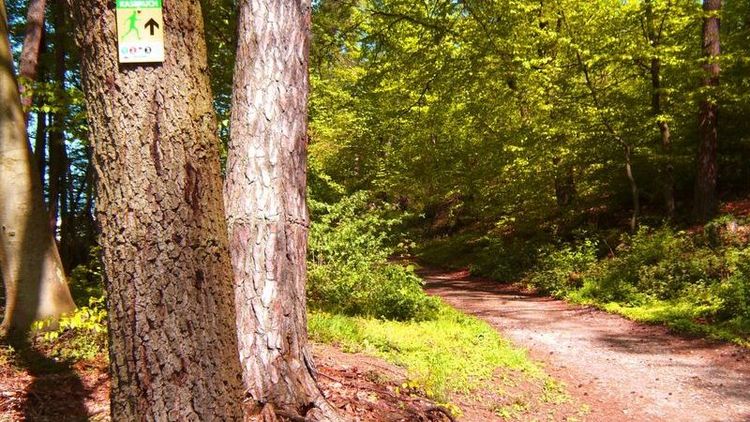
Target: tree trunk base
x,y
322,411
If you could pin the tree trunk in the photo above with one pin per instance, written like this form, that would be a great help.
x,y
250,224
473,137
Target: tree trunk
x,y
31,269
266,208
173,345
565,185
706,202
40,145
635,195
657,99
28,63
58,157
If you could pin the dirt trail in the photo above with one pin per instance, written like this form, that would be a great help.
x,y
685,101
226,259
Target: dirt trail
x,y
623,370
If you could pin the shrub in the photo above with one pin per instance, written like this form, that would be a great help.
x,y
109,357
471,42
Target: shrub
x,y
734,291
653,264
87,280
349,269
82,335
560,270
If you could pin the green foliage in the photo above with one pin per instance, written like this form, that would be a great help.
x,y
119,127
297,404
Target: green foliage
x,y
734,291
86,281
561,270
451,353
654,264
81,335
696,282
481,109
684,280
502,258
349,270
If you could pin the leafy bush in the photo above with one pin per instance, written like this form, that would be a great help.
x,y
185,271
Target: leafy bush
x,y
656,265
734,291
502,259
349,269
81,335
505,260
86,281
691,282
561,270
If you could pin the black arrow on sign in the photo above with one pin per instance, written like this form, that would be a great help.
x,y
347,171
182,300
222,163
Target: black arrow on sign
x,y
151,25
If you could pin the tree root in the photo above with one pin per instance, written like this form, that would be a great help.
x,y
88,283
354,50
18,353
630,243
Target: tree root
x,y
442,410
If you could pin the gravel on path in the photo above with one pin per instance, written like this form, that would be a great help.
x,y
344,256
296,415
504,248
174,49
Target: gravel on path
x,y
623,370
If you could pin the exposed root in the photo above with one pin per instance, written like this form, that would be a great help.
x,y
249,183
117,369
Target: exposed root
x,y
292,417
441,410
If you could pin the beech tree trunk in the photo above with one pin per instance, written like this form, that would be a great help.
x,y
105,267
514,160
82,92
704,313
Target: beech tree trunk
x,y
266,208
173,345
706,202
31,269
657,108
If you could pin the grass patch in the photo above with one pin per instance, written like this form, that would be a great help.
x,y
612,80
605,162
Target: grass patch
x,y
453,353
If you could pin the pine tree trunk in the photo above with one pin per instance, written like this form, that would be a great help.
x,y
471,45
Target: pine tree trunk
x,y
32,45
173,345
31,269
266,208
706,202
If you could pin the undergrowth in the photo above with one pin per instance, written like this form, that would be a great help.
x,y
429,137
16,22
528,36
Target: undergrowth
x,y
350,244
695,282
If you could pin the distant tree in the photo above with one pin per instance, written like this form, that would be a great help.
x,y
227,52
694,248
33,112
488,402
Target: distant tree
x,y
705,202
31,268
173,344
654,34
266,209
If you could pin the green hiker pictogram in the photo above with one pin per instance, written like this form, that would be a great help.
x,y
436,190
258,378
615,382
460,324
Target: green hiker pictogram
x,y
132,25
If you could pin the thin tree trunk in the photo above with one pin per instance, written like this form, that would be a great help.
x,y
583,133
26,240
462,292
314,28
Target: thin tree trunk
x,y
657,99
266,208
40,141
706,202
31,269
565,186
173,343
627,147
58,157
29,60
40,145
633,188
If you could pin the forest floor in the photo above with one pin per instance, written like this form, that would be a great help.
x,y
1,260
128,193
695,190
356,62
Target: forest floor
x,y
623,371
34,387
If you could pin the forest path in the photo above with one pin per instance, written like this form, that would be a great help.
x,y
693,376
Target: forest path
x,y
623,370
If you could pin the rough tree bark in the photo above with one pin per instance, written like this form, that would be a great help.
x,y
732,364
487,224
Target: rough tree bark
x,y
29,60
706,202
657,108
266,208
31,268
173,345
